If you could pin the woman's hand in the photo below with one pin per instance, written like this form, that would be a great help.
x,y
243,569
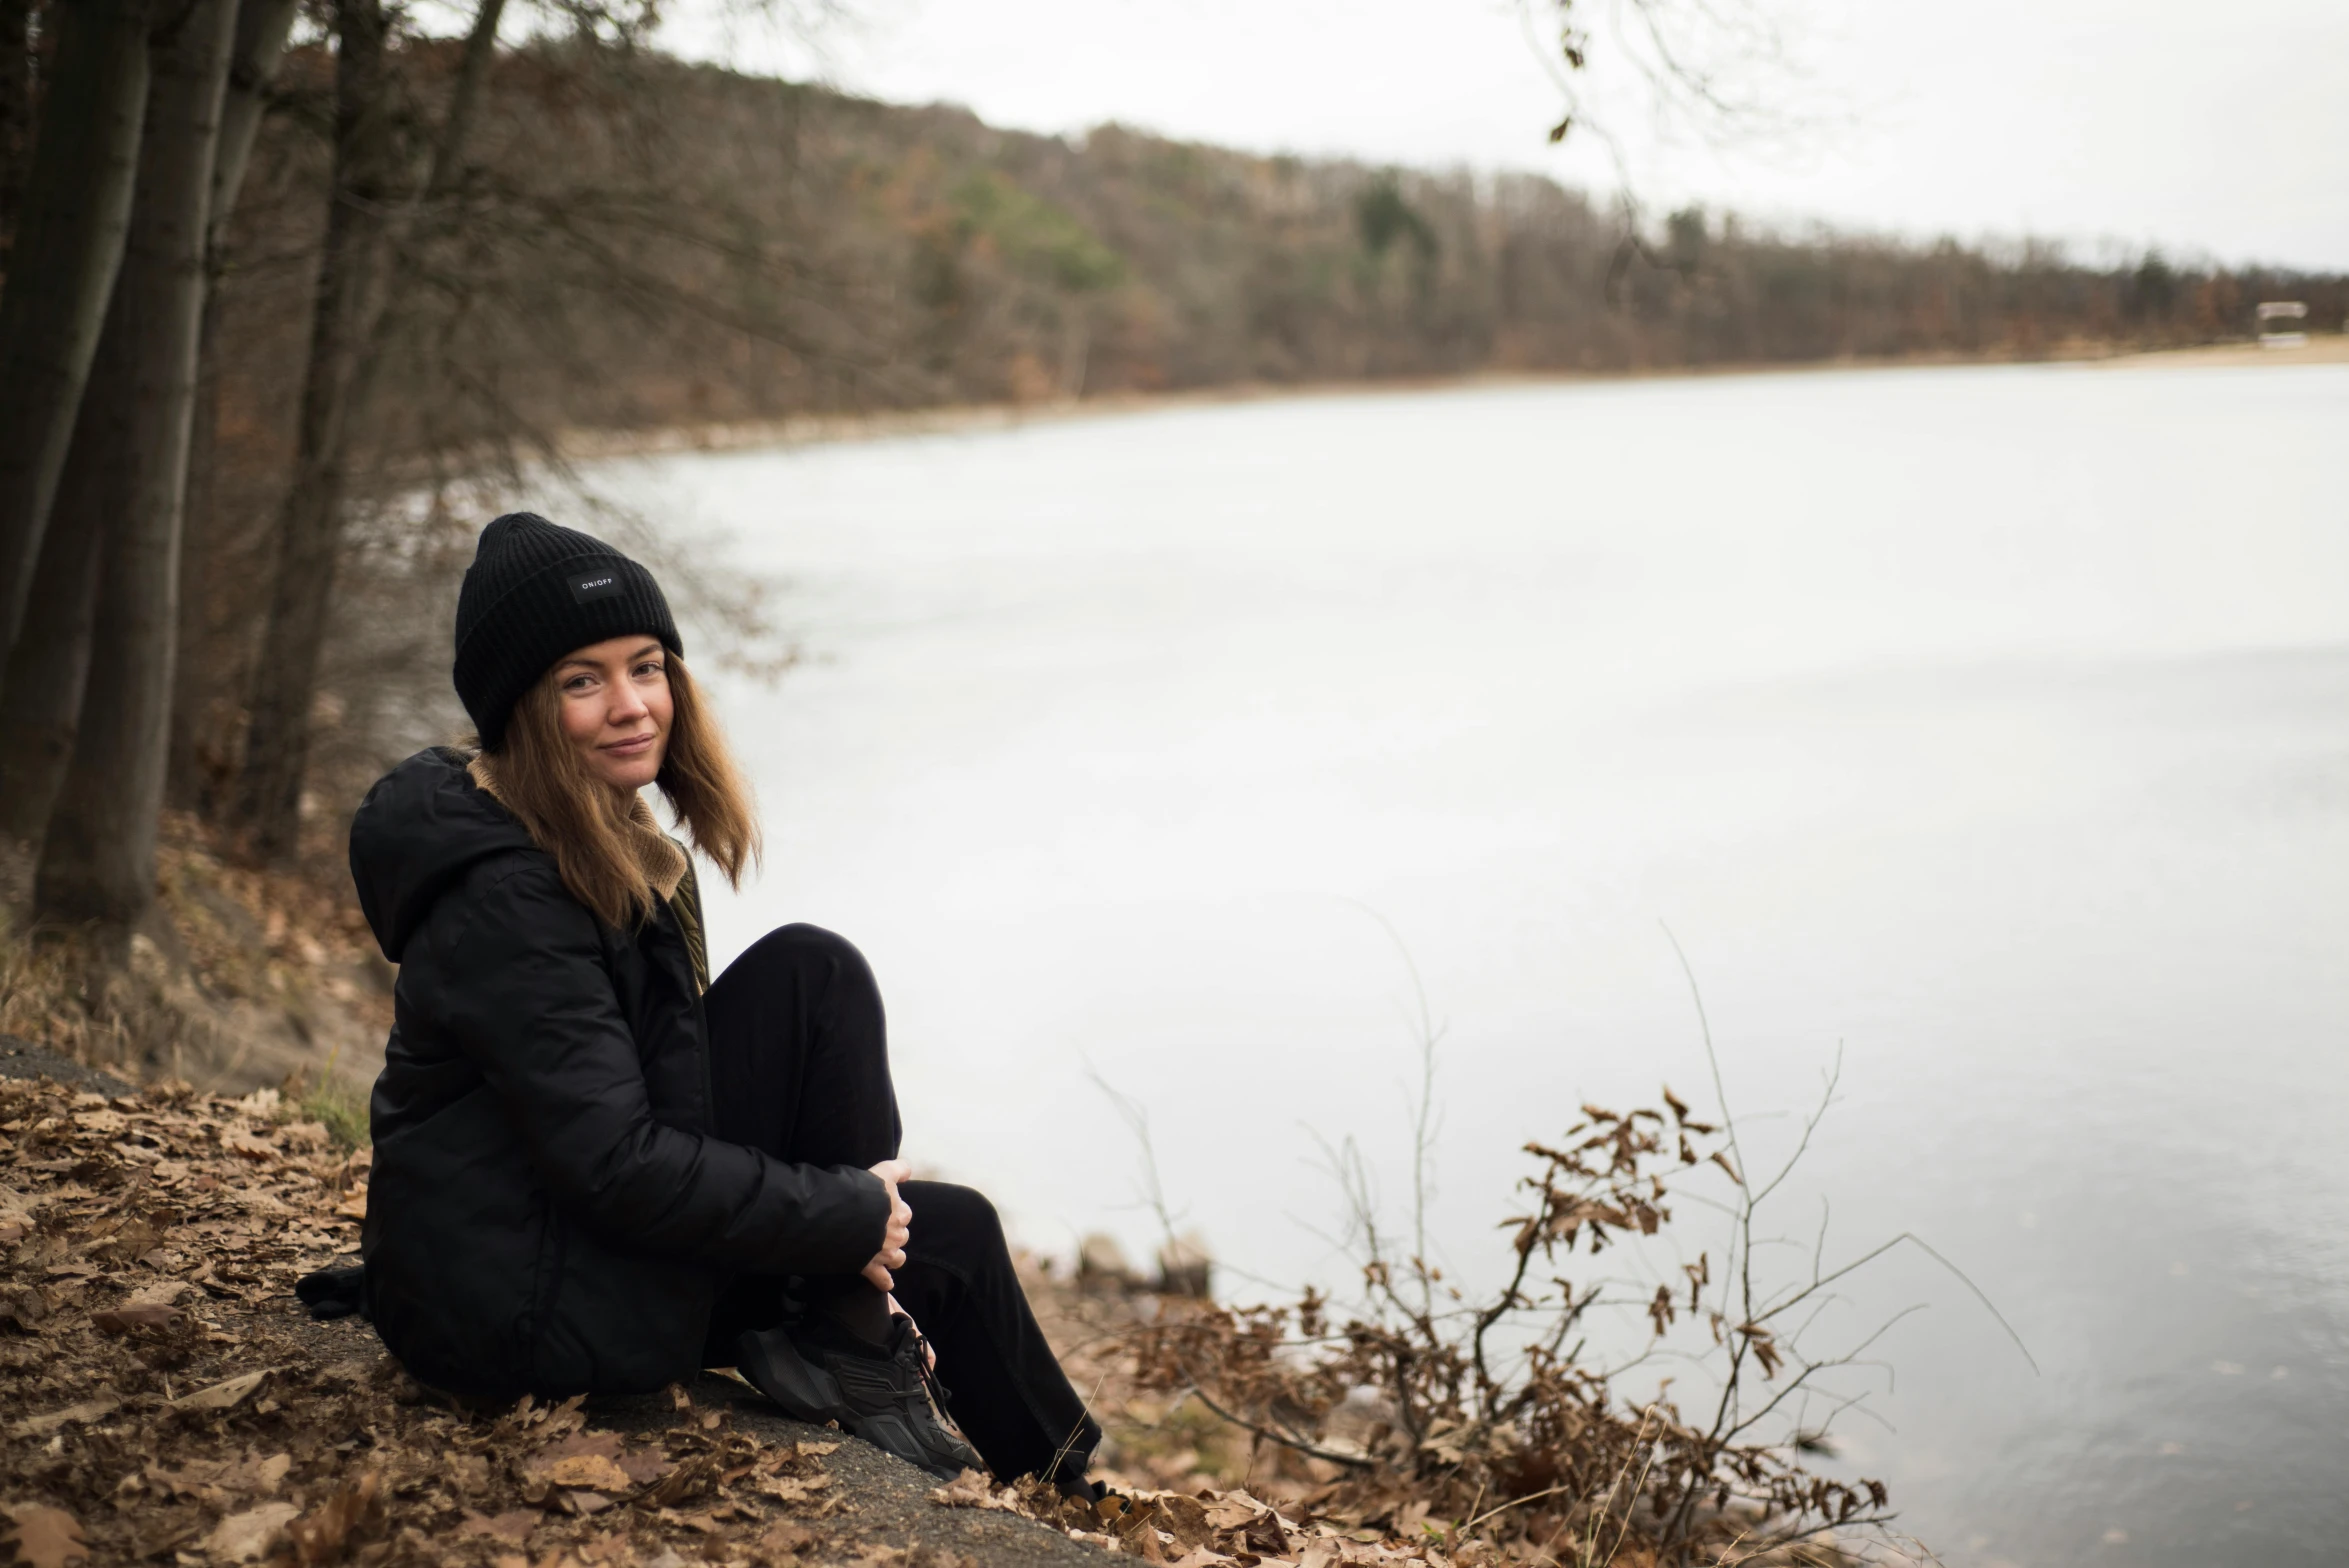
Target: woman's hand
x,y
900,1231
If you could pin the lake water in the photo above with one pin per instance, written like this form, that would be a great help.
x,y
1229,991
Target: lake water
x,y
1988,725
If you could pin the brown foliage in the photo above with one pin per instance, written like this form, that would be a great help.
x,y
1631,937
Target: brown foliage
x,y
1485,1418
165,1396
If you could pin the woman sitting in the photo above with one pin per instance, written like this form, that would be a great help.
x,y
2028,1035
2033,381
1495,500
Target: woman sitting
x,y
596,1169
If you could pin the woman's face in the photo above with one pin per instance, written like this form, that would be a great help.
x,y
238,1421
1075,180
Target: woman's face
x,y
615,708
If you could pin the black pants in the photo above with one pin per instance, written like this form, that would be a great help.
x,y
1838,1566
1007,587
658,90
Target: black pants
x,y
799,1063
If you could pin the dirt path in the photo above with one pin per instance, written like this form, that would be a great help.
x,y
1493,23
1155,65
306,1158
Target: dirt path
x,y
25,1060
882,1507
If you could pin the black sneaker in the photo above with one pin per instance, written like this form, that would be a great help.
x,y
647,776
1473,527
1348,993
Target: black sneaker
x,y
880,1393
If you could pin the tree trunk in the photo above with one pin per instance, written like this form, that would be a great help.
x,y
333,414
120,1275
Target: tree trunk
x,y
200,733
195,675
62,267
41,693
348,343
269,790
98,858
16,109
262,26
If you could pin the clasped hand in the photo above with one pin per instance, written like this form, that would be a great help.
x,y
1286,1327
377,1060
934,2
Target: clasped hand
x,y
900,1231
892,1254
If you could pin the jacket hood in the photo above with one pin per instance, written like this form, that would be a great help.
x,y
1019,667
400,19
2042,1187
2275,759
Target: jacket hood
x,y
420,829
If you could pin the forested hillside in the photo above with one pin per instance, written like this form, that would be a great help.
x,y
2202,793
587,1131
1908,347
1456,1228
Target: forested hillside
x,y
646,242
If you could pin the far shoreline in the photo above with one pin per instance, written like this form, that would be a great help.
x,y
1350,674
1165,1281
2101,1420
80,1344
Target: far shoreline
x,y
595,446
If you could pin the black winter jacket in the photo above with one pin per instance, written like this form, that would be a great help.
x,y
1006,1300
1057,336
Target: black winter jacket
x,y
548,1211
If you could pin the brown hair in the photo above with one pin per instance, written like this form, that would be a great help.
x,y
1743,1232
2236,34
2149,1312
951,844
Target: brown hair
x,y
592,832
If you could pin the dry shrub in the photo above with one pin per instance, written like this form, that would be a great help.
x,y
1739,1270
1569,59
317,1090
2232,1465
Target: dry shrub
x,y
1488,1423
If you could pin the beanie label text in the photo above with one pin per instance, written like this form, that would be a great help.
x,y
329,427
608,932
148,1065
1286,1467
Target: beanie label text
x,y
594,586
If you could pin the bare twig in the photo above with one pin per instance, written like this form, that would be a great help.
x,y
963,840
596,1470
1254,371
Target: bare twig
x,y
1136,1116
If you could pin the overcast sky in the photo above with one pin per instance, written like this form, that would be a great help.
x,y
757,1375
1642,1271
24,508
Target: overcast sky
x,y
2208,130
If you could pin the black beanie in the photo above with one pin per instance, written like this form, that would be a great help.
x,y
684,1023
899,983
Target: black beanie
x,y
534,593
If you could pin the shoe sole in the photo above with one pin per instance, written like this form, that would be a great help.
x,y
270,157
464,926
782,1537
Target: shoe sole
x,y
806,1391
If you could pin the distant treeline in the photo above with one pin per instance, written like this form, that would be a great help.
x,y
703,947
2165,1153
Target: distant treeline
x,y
649,242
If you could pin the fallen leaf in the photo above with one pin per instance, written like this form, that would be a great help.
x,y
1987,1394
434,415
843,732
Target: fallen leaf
x,y
345,1374
695,1475
245,1537
787,1536
187,1480
565,1417
467,1473
1233,1510
159,1295
83,1413
262,1476
1185,1518
514,1526
583,1459
121,1320
1201,1557
354,1512
970,1490
645,1464
225,1395
164,1540
793,1488
616,1549
39,1536
589,1470
135,1237
27,1306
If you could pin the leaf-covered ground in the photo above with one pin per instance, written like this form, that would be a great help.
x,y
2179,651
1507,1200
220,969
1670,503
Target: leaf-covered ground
x,y
167,1399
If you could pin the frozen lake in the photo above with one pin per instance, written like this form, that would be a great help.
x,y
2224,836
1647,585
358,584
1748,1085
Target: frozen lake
x,y
1990,724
